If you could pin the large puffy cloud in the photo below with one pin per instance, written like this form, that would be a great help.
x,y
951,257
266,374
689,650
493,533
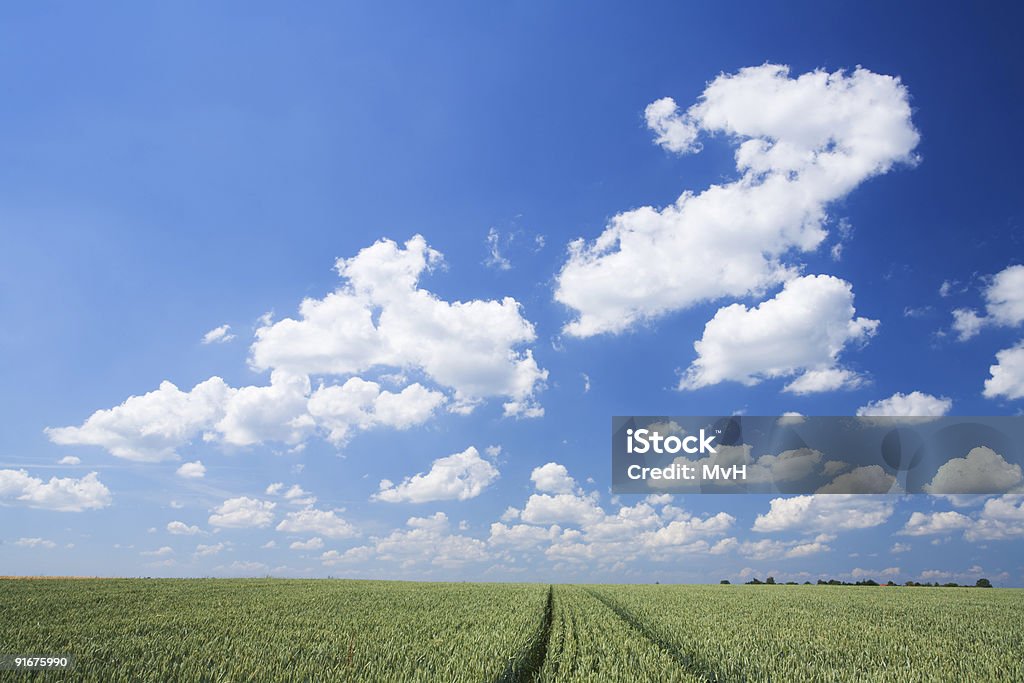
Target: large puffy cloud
x,y
914,404
926,523
981,471
319,522
1004,304
381,317
802,331
192,470
430,538
568,505
1004,297
562,508
243,512
766,549
182,529
681,531
378,319
276,412
152,426
65,494
460,476
1007,375
362,404
802,143
827,512
552,478
1000,519
155,425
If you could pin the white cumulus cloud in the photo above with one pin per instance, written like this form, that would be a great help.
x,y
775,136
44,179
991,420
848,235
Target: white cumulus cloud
x,y
552,478
802,143
1000,519
181,529
1007,375
380,317
361,404
151,427
243,512
1004,304
827,512
425,540
981,471
914,404
926,523
65,494
192,470
561,508
801,331
460,476
321,522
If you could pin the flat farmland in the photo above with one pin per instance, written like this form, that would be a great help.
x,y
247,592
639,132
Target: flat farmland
x,y
323,630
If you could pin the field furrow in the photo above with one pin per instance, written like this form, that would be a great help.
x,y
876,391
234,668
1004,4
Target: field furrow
x,y
589,642
527,664
700,668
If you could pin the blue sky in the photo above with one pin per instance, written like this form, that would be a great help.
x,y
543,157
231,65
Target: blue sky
x,y
172,170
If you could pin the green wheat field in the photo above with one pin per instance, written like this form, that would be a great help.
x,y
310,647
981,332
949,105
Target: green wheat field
x,y
326,630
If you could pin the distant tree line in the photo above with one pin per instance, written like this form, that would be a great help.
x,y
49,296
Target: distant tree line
x,y
770,581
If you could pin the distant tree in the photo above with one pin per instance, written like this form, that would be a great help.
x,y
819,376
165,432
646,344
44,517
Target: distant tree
x,y
822,582
770,580
890,582
724,582
807,583
834,582
755,581
983,583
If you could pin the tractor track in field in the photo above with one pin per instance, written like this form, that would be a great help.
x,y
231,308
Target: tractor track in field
x,y
526,666
683,658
